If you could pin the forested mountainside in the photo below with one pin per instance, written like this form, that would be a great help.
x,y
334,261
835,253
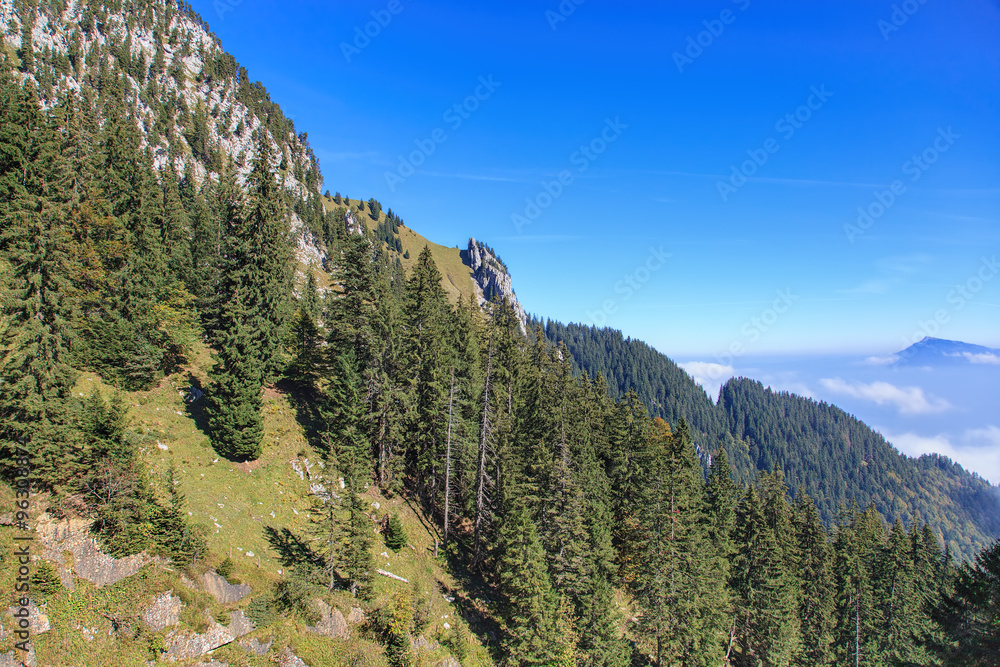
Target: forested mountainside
x,y
632,365
838,459
237,421
834,457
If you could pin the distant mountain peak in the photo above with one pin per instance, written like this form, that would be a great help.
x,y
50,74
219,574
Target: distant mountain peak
x,y
930,351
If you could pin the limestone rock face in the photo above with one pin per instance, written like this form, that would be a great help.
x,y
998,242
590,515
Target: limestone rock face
x,y
491,278
86,560
222,590
183,647
164,612
253,646
332,623
19,658
353,225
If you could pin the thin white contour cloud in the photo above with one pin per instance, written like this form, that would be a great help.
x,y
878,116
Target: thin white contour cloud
x,y
908,400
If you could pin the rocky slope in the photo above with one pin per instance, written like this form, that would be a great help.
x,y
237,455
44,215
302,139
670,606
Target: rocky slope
x,y
491,278
195,107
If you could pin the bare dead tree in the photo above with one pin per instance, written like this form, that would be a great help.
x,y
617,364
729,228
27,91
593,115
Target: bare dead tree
x,y
447,460
483,481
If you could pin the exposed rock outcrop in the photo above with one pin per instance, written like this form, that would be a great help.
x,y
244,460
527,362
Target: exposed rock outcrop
x,y
252,645
229,120
19,658
356,616
187,646
164,612
86,559
222,590
38,622
331,623
352,224
491,278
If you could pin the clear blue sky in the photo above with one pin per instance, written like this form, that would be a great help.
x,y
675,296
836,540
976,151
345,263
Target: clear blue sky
x,y
879,95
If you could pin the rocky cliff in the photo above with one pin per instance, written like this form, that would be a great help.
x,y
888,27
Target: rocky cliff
x,y
195,108
491,277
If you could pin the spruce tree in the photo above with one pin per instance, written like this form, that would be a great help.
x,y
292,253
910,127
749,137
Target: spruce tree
x,y
816,585
36,405
428,364
968,617
357,562
767,623
343,413
679,586
859,537
537,627
267,253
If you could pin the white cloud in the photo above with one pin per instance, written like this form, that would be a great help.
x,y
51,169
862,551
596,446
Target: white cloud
x,y
985,358
909,400
710,376
882,361
977,450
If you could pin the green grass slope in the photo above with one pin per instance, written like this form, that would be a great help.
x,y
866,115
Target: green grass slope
x,y
237,505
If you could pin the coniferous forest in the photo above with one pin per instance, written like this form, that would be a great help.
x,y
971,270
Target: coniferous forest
x,y
595,518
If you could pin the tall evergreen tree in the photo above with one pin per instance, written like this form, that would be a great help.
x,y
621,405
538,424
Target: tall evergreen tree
x,y
35,374
429,358
969,617
816,585
680,585
537,627
767,627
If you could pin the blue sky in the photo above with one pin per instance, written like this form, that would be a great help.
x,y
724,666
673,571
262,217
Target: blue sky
x,y
642,237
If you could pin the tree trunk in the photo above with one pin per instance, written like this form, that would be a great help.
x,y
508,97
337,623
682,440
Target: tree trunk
x,y
481,478
447,460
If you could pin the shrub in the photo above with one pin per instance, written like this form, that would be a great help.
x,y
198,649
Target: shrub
x,y
45,579
226,568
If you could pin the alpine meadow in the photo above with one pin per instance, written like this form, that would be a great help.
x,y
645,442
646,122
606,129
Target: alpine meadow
x,y
247,421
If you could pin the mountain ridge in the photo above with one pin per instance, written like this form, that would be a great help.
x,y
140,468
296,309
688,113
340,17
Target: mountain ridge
x,y
938,351
832,454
